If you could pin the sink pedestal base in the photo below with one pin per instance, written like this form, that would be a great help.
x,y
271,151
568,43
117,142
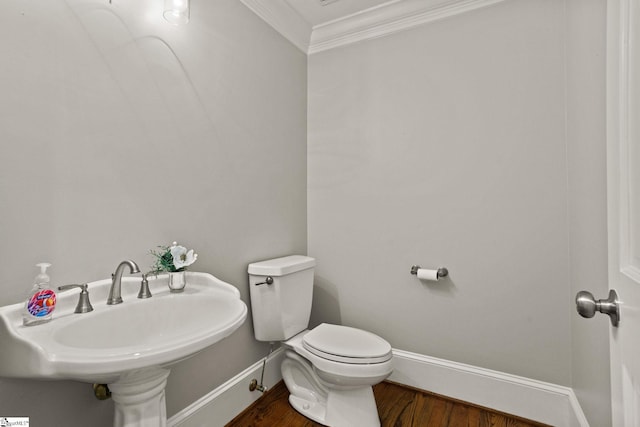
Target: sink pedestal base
x,y
139,398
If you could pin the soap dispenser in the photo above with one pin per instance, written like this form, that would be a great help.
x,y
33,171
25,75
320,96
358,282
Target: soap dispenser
x,y
41,300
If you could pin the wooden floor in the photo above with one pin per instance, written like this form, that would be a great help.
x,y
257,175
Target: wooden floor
x,y
398,406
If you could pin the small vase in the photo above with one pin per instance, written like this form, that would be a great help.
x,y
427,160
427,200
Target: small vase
x,y
177,281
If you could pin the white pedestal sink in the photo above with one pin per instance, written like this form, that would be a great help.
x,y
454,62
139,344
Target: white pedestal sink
x,y
129,346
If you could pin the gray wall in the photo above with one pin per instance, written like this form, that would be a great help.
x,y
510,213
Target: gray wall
x,y
120,132
458,144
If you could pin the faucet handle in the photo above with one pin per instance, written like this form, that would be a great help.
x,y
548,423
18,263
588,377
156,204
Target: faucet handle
x,y
84,305
144,286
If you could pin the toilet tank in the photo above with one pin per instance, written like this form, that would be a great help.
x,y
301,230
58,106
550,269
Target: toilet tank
x,y
282,309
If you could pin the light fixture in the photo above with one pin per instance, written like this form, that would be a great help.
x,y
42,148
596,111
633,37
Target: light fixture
x,y
176,11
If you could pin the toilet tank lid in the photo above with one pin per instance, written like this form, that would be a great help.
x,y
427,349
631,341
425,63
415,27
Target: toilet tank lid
x,y
281,266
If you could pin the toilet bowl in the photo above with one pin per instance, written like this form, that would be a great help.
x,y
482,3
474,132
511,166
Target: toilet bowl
x,y
328,370
344,356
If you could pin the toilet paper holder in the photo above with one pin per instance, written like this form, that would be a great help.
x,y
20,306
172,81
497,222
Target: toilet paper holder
x,y
442,272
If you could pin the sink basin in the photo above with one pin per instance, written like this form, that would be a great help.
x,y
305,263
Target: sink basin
x,y
101,345
135,330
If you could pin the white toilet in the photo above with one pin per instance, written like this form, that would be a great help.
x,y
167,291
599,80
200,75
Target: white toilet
x,y
328,370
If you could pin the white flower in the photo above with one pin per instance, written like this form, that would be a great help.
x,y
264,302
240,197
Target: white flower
x,y
181,257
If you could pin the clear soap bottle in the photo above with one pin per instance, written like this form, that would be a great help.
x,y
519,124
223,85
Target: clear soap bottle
x,y
41,300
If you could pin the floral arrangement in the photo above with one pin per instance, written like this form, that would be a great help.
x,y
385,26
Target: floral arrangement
x,y
173,258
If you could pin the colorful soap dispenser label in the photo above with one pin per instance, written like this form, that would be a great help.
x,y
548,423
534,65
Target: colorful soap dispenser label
x,y
42,303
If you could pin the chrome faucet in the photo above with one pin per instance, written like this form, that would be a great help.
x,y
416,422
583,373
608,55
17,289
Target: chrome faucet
x,y
116,281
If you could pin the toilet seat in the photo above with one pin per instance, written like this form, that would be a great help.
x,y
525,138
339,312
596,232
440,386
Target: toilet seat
x,y
346,345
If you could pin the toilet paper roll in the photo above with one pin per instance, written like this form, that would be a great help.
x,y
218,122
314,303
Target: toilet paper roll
x,y
425,274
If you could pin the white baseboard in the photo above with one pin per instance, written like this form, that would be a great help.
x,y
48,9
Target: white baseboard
x,y
224,403
535,400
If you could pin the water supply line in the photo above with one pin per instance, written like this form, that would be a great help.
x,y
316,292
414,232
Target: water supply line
x,y
101,391
253,385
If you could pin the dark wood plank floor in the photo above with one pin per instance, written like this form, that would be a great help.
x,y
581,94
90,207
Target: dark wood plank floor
x,y
398,406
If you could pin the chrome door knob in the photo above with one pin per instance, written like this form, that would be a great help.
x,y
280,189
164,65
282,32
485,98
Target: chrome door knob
x,y
587,306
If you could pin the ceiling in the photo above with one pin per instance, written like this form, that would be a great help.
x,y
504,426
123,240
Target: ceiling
x,y
317,12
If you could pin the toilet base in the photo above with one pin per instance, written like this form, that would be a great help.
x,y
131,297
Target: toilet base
x,y
324,404
343,408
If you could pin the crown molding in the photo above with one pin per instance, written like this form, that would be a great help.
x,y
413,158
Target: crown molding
x,y
378,21
388,18
284,19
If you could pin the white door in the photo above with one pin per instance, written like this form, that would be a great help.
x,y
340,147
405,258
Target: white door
x,y
623,174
